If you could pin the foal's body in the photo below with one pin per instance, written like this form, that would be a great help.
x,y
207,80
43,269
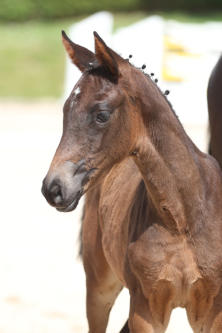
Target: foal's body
x,y
153,214
169,265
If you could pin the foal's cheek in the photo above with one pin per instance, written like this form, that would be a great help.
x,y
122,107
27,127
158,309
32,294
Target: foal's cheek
x,y
94,142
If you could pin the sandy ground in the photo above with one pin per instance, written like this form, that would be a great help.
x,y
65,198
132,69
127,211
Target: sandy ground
x,y
42,283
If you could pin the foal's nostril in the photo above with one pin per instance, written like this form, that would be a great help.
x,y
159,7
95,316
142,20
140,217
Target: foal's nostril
x,y
52,192
55,189
56,194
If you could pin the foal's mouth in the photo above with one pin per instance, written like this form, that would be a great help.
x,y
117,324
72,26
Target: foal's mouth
x,y
74,203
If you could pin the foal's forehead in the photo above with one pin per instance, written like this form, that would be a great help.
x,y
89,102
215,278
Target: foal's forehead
x,y
94,82
92,90
93,87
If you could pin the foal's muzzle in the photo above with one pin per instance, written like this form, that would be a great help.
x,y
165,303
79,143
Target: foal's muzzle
x,y
64,185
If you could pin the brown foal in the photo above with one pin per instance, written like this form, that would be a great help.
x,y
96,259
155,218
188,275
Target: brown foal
x,y
153,213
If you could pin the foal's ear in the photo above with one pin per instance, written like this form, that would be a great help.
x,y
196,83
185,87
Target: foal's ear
x,y
105,56
80,56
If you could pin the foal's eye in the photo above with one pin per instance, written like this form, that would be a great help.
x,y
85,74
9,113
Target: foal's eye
x,y
102,117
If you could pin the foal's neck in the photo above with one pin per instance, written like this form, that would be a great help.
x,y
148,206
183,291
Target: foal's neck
x,y
167,160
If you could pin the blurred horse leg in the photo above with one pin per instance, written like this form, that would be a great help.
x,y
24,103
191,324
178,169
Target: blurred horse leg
x,y
125,328
102,285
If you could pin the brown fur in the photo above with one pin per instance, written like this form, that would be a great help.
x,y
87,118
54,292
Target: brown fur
x,y
153,213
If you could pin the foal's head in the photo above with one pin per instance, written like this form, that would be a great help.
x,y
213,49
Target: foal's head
x,y
100,126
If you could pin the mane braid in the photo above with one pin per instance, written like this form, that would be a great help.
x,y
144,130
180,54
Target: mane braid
x,y
147,76
164,96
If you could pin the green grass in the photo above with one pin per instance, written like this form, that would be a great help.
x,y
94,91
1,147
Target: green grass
x,y
32,57
192,17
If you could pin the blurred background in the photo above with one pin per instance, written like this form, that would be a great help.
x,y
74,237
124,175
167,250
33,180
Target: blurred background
x,y
42,283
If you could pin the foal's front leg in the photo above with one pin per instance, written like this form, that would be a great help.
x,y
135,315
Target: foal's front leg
x,y
150,315
205,320
102,285
140,318
101,295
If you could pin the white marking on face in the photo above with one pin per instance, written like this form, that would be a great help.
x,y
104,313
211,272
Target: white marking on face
x,y
71,104
77,91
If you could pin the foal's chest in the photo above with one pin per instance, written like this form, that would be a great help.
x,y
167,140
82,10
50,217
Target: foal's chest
x,y
158,258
